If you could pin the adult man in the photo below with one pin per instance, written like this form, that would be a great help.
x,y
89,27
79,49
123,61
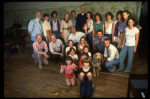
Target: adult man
x,y
73,18
81,19
55,24
35,26
98,42
39,55
111,56
56,47
75,36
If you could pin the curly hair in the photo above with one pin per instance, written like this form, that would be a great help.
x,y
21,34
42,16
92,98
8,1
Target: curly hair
x,y
121,14
109,13
134,20
91,15
99,15
53,13
45,14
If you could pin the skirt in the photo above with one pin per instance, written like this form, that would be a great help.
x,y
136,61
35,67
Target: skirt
x,y
69,75
121,39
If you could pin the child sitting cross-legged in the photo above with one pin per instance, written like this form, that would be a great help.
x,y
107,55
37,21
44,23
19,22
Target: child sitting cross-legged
x,y
69,71
85,74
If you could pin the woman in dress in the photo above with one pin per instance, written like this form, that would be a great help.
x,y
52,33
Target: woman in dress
x,y
109,25
65,27
46,28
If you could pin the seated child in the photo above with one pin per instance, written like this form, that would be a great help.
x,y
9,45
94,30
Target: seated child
x,y
86,49
73,55
82,56
85,74
69,70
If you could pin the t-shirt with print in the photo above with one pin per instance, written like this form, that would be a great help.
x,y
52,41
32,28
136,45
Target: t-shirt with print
x,y
130,36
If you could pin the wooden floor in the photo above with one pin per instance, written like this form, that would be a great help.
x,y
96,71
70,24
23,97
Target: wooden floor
x,y
23,79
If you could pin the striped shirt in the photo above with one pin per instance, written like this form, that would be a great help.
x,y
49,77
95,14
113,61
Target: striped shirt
x,y
56,47
40,47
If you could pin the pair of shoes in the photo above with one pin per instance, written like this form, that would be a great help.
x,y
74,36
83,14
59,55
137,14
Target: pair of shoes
x,y
40,67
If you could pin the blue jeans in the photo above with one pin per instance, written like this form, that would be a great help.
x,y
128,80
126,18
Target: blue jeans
x,y
89,36
57,34
86,89
56,58
109,36
110,65
122,56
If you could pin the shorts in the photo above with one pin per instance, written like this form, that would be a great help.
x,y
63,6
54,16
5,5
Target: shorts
x,y
69,75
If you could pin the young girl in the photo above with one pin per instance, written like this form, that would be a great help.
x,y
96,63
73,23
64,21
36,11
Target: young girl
x,y
81,44
109,25
83,55
73,55
85,74
70,44
129,45
69,69
86,49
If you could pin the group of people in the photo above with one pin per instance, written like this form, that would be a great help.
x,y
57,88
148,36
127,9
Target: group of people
x,y
74,40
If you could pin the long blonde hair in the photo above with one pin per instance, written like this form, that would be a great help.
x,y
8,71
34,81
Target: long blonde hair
x,y
84,42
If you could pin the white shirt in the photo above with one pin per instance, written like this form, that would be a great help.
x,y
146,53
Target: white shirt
x,y
113,53
46,27
77,37
130,36
90,25
75,56
109,29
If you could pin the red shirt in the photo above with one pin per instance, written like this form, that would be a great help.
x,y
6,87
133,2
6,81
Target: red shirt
x,y
80,63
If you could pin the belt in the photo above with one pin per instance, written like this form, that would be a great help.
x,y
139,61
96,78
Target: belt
x,y
65,28
54,31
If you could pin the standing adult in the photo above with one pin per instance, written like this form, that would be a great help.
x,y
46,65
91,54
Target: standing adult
x,y
98,23
65,27
81,19
35,27
55,24
109,25
46,28
73,18
130,44
39,54
116,23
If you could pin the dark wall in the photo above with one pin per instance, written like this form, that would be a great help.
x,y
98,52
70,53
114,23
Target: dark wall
x,y
143,38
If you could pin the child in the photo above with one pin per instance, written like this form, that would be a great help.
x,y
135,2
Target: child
x,y
73,55
69,69
86,49
85,74
83,56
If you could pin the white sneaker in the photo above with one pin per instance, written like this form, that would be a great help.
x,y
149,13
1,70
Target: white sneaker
x,y
40,67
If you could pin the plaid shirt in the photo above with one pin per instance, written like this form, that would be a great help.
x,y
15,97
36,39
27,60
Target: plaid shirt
x,y
56,47
39,47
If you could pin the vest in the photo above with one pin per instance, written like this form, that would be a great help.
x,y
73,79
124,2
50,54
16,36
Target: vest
x,y
51,23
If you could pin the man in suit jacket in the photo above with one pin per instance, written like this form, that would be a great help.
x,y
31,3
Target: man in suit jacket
x,y
35,27
81,19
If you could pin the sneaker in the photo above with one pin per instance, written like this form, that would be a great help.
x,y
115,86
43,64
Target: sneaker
x,y
40,67
114,69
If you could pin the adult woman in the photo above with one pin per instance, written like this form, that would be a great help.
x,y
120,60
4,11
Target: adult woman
x,y
46,28
116,23
109,25
81,44
65,27
89,25
98,23
129,45
70,44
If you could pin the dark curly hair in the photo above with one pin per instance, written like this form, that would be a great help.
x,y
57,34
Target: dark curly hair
x,y
109,13
45,14
121,14
99,15
53,13
134,20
